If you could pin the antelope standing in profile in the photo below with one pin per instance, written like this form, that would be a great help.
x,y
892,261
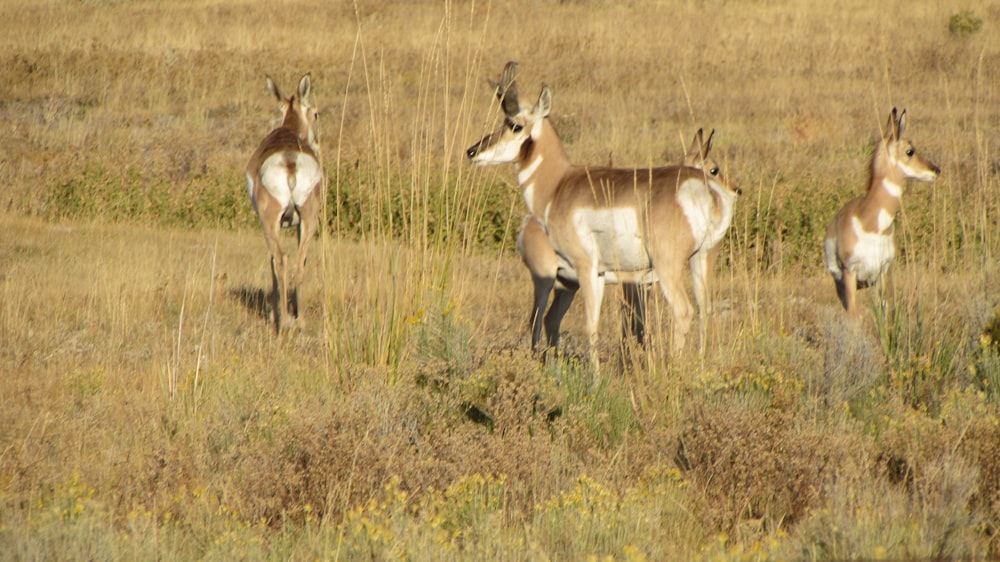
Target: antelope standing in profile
x,y
610,224
859,243
542,262
284,181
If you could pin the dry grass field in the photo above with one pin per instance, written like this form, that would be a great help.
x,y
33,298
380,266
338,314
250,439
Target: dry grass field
x,y
148,410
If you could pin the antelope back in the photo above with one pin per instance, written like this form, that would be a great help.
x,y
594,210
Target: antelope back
x,y
298,113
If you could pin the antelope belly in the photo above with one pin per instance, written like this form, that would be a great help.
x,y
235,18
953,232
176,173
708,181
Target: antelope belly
x,y
612,237
872,255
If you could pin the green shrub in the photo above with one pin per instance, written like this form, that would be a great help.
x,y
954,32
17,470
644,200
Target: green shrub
x,y
986,369
964,23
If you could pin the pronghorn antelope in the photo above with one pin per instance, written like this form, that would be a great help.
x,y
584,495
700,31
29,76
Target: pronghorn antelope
x,y
859,244
542,262
610,224
284,180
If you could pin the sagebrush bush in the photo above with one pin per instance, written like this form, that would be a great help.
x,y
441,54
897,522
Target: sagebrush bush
x,y
964,23
752,464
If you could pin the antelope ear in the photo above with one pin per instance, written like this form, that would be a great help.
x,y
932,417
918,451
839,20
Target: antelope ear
x,y
273,88
305,86
544,105
901,125
708,144
696,144
892,126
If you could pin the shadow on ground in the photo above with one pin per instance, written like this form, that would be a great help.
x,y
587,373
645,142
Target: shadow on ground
x,y
254,299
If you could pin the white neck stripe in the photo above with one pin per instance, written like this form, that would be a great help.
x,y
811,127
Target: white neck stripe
x,y
525,173
529,196
892,188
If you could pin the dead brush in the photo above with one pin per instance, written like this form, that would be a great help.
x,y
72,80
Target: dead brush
x,y
751,465
852,361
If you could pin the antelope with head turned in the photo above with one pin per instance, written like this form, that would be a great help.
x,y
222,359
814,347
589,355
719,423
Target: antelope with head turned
x,y
610,224
540,258
859,243
284,181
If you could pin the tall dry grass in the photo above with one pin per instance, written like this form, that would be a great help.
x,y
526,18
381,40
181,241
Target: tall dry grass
x,y
147,411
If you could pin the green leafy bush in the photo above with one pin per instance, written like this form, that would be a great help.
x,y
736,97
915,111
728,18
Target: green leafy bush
x,y
964,23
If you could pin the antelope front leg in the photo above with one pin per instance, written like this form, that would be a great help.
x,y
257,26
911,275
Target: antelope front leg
x,y
540,300
553,318
699,279
849,290
592,287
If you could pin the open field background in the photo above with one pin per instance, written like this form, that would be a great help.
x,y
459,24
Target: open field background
x,y
148,411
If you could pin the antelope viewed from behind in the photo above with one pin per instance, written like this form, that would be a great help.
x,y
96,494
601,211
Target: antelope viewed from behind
x,y
284,181
859,243
542,262
610,224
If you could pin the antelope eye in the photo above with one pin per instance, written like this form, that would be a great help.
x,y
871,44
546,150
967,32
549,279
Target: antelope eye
x,y
714,171
517,128
910,152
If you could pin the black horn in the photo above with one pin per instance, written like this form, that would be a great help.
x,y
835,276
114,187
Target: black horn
x,y
507,90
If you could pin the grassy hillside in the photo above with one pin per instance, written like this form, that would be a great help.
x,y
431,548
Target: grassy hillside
x,y
147,410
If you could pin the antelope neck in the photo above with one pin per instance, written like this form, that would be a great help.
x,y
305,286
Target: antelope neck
x,y
885,189
878,208
543,161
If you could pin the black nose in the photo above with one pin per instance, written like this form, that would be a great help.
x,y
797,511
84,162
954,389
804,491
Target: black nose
x,y
738,191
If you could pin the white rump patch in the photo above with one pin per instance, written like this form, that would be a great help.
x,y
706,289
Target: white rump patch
x,y
274,175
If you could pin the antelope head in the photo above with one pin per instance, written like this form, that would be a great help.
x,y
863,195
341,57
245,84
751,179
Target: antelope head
x,y
519,125
698,157
298,114
900,155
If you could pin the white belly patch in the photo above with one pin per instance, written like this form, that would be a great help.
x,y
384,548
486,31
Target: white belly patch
x,y
872,254
612,237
